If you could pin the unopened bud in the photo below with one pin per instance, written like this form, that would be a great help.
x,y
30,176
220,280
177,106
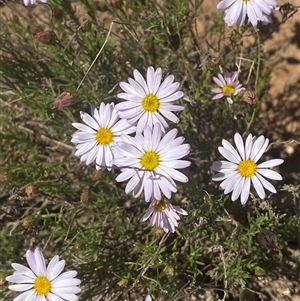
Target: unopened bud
x,y
45,37
84,197
31,191
169,271
3,176
159,232
65,99
2,279
250,97
267,240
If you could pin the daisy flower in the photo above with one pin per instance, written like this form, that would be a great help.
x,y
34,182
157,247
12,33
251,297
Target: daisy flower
x,y
256,10
241,170
39,283
164,215
26,2
153,160
229,85
147,102
95,138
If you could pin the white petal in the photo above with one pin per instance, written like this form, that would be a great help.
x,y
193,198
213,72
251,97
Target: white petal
x,y
139,78
21,269
258,148
245,191
270,174
20,287
229,183
56,268
258,186
27,296
19,278
224,175
238,188
219,165
270,163
229,155
240,145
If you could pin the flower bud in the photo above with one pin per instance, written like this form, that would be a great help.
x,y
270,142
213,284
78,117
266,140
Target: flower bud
x,y
31,191
65,99
266,239
84,197
250,97
45,37
3,176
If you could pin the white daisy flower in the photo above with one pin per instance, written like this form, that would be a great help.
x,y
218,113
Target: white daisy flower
x,y
147,102
164,215
256,10
242,169
102,130
39,283
153,160
229,86
31,2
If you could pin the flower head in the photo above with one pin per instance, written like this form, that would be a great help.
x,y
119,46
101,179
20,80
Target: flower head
x,y
26,2
229,86
150,160
148,101
102,130
242,169
164,215
41,283
256,10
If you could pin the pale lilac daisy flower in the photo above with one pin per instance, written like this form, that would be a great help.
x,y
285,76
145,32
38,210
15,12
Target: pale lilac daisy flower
x,y
31,2
148,101
95,138
39,283
150,160
241,170
164,215
228,86
256,10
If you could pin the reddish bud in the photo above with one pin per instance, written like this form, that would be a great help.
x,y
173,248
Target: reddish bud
x,y
65,99
31,191
266,239
45,37
3,176
250,97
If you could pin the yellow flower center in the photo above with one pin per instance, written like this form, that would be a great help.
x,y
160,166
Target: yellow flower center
x,y
228,90
150,160
150,103
160,206
104,136
42,285
247,168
